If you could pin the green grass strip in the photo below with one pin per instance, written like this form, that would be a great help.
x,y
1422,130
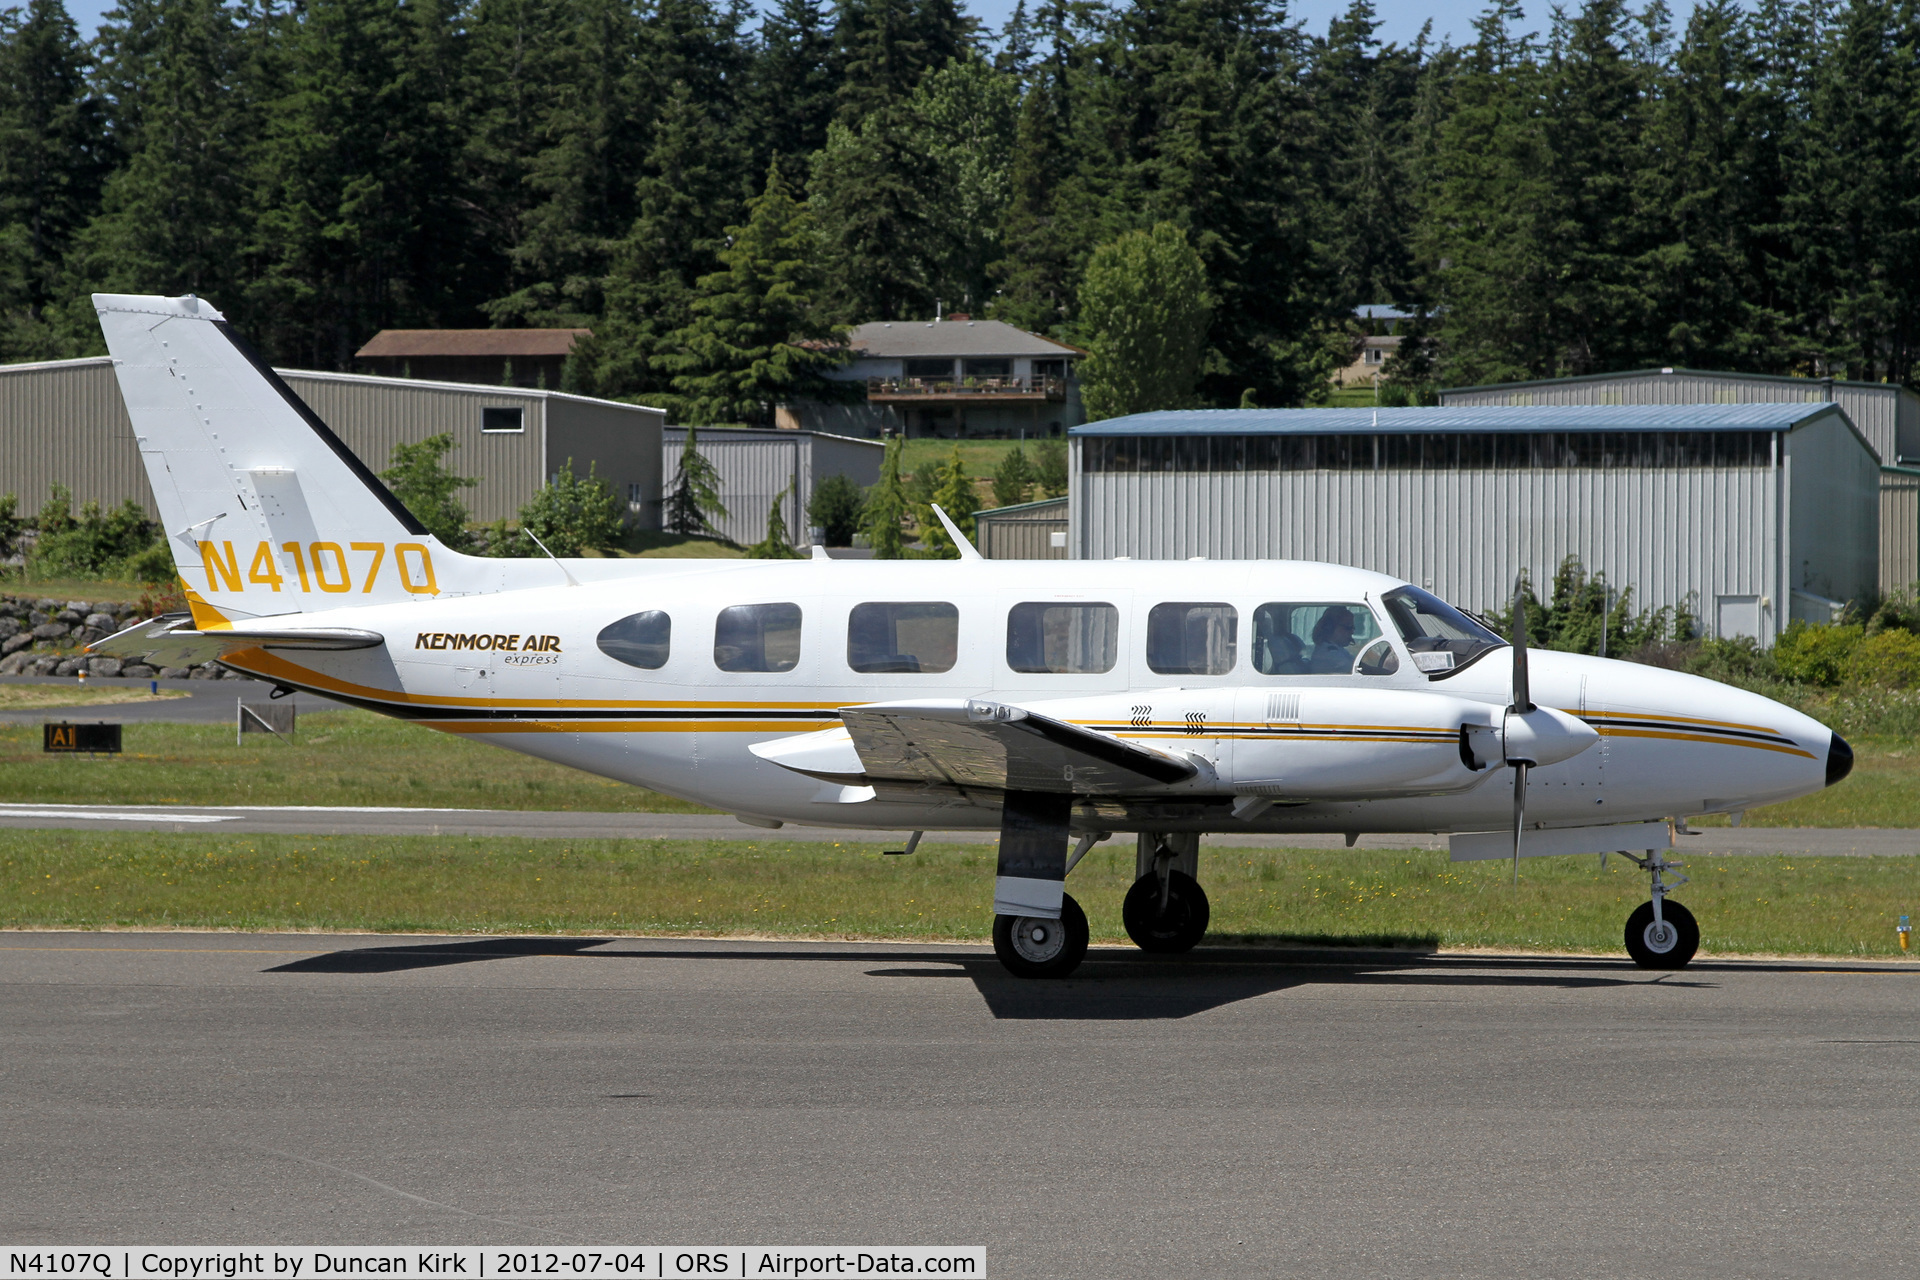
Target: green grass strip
x,y
88,880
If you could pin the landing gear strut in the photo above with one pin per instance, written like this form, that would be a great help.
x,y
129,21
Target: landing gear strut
x,y
1661,934
1166,910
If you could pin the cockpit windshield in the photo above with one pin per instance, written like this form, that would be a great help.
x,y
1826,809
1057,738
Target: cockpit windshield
x,y
1439,636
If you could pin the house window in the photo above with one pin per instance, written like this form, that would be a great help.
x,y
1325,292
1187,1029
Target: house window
x,y
929,368
988,368
497,419
1375,355
1049,368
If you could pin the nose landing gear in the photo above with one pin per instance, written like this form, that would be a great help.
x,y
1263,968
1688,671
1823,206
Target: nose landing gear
x,y
1661,934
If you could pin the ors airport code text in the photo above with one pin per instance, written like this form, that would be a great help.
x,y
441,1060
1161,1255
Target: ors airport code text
x,y
233,1263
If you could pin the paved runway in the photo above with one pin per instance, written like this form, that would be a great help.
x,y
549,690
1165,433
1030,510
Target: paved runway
x,y
211,701
1232,1114
332,820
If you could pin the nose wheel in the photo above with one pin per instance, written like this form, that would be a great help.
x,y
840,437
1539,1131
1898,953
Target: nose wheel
x,y
1661,934
1036,947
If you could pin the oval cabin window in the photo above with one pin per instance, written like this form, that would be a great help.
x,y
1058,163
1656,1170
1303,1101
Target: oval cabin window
x,y
639,640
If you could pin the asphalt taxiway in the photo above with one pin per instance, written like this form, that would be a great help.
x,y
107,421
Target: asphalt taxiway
x,y
1229,1114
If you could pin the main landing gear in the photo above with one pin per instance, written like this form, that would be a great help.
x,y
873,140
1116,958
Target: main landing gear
x,y
1661,934
1166,911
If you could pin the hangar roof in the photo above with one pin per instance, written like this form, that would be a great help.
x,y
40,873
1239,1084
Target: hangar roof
x,y
1798,383
1463,420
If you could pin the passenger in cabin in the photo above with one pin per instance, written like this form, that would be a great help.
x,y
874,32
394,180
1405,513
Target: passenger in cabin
x,y
1333,643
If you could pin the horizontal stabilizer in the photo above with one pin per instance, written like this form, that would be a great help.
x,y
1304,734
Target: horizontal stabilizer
x,y
172,641
978,743
1480,846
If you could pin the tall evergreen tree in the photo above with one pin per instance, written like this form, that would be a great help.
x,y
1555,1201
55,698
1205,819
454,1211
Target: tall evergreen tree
x,y
794,84
883,48
173,213
755,339
53,160
887,507
359,223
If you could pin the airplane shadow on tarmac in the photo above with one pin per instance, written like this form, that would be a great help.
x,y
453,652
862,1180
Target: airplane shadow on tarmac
x,y
1114,984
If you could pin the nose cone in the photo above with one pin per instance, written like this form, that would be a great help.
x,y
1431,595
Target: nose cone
x,y
1839,759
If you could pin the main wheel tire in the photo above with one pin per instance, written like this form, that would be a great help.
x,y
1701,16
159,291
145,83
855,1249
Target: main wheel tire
x,y
1671,949
1174,930
1035,947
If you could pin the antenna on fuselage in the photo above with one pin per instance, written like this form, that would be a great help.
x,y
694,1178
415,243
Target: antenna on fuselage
x,y
967,550
571,580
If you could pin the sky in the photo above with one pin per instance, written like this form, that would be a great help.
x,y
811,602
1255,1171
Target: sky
x,y
1400,19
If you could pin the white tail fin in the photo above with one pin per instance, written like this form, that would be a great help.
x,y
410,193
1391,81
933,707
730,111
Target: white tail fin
x,y
266,511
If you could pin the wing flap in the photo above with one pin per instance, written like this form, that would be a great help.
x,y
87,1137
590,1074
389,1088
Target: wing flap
x,y
978,743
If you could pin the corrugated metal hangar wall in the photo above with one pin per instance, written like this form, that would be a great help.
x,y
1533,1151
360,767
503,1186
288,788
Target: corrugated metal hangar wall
x,y
1886,413
64,422
1730,508
756,465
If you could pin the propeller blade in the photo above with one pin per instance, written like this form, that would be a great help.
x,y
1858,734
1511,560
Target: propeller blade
x,y
1519,815
1522,693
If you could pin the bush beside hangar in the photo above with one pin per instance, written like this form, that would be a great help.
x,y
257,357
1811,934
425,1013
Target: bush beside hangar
x,y
64,422
1751,514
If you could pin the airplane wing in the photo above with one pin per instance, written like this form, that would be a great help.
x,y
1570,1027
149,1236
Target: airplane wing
x,y
978,743
171,640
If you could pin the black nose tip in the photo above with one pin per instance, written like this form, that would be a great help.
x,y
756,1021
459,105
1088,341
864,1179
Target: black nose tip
x,y
1839,759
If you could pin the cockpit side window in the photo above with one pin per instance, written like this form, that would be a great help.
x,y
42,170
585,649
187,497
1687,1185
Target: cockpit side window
x,y
1440,638
1311,638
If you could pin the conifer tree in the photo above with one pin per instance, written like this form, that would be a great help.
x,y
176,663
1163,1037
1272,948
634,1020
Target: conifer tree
x,y
172,216
956,496
693,502
755,340
1012,478
887,507
53,159
778,544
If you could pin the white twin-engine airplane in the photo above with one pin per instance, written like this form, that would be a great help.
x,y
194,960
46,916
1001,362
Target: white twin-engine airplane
x,y
1051,700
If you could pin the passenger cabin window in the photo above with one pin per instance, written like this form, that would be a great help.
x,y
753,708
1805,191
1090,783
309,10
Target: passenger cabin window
x,y
903,636
1192,639
1438,636
639,640
1317,639
757,637
1063,639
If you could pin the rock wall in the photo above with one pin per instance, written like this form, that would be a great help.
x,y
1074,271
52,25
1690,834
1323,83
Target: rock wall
x,y
45,638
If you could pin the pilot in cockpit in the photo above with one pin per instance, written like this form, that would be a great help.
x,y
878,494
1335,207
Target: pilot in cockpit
x,y
1332,643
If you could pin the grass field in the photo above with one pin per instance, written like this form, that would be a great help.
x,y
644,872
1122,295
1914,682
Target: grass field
x,y
92,590
337,757
1809,906
30,697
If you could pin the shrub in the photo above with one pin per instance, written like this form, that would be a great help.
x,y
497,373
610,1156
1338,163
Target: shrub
x,y
1814,654
835,510
91,544
418,476
570,515
1890,660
